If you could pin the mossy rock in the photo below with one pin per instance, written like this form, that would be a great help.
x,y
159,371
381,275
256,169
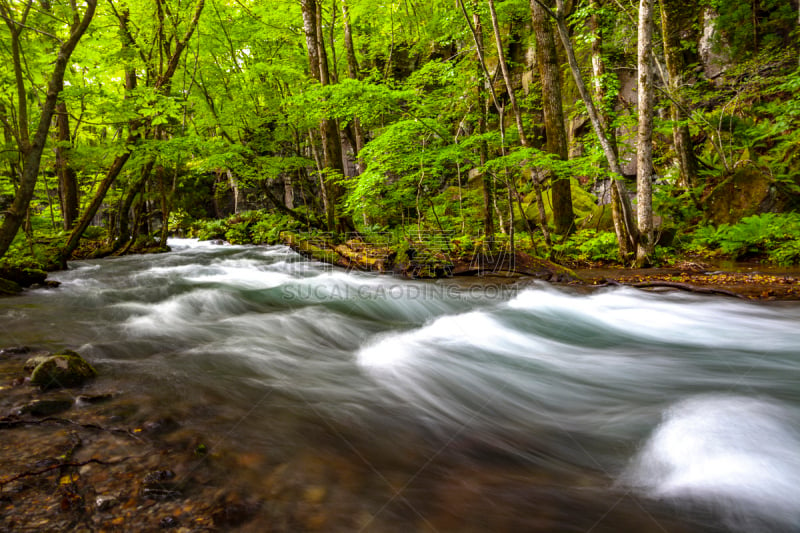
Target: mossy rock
x,y
35,360
23,276
66,369
740,195
7,288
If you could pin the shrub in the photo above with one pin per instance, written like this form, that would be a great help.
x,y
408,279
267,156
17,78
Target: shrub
x,y
771,234
589,245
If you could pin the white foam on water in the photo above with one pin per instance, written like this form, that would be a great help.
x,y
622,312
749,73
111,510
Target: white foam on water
x,y
670,319
738,455
178,244
184,314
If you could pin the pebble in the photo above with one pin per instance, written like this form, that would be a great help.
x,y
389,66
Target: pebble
x,y
104,502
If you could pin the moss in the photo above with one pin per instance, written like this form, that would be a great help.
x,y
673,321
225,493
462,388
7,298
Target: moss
x,y
23,276
7,288
66,369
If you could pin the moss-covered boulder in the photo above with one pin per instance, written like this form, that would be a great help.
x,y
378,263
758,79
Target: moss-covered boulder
x,y
744,193
66,369
35,360
7,287
23,276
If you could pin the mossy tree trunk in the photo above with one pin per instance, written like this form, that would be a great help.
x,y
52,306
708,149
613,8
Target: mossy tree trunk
x,y
556,133
67,179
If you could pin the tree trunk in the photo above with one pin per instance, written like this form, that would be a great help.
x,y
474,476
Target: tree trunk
x,y
501,58
32,151
67,179
353,71
350,51
329,131
556,142
97,201
627,234
673,19
234,185
486,178
127,204
644,150
288,191
598,73
160,84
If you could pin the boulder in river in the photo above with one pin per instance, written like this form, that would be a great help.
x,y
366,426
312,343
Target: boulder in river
x,y
35,360
23,276
8,287
66,369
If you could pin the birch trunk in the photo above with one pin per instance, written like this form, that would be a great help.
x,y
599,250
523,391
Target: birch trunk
x,y
644,149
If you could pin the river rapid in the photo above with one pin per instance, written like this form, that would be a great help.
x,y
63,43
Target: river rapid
x,y
346,401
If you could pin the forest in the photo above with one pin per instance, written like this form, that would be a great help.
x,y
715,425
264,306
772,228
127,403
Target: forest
x,y
584,132
590,211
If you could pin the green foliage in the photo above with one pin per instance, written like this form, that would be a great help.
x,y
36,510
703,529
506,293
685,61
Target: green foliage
x,y
746,26
589,245
238,234
95,233
771,234
210,230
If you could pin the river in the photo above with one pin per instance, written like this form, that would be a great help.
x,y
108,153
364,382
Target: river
x,y
379,404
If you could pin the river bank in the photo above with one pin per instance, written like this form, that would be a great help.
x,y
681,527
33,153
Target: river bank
x,y
753,280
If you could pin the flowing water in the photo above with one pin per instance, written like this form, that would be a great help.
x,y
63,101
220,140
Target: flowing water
x,y
392,405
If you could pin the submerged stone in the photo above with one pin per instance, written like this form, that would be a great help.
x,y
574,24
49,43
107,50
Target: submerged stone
x,y
46,407
67,369
15,350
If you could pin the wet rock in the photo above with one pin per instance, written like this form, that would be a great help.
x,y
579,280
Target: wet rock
x,y
66,369
158,477
169,522
232,511
160,485
92,399
161,493
46,407
46,284
15,350
162,426
105,502
8,287
35,360
24,277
